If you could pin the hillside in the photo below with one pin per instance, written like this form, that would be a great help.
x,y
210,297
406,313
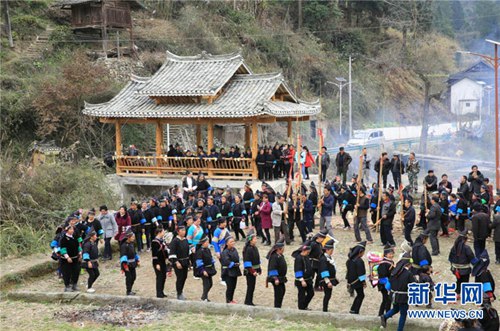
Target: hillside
x,y
395,46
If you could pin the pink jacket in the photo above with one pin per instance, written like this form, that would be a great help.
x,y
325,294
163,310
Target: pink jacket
x,y
265,215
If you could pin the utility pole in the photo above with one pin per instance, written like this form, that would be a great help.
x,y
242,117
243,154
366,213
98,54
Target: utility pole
x,y
493,60
342,82
350,97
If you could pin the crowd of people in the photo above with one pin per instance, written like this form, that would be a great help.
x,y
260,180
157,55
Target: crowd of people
x,y
194,226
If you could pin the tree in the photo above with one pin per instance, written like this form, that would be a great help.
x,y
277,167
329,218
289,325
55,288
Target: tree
x,y
8,23
60,101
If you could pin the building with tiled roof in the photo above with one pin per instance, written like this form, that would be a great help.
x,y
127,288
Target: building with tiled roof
x,y
204,90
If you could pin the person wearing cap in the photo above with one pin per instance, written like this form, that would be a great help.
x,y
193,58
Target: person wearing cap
x,y
461,257
400,278
384,272
342,162
276,274
315,255
251,263
386,166
264,211
420,254
137,218
397,169
179,258
326,203
110,229
129,260
483,275
433,215
409,218
230,261
480,227
476,179
278,215
360,221
90,259
356,275
71,255
303,276
412,169
204,266
160,266
327,272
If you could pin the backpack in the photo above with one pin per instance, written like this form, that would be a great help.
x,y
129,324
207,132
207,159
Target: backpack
x,y
374,260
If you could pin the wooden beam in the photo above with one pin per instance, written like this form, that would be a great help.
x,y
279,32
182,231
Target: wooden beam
x,y
118,143
254,147
198,134
247,135
289,130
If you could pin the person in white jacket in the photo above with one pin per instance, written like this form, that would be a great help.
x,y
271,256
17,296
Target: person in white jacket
x,y
278,216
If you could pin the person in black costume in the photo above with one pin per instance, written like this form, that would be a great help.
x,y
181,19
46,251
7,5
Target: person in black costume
x,y
230,261
270,163
251,263
204,267
420,254
160,266
315,255
461,256
90,259
303,276
483,275
356,275
384,272
328,272
261,164
277,269
71,255
179,258
129,260
399,280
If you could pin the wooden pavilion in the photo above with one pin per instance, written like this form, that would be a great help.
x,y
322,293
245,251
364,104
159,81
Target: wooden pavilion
x,y
201,90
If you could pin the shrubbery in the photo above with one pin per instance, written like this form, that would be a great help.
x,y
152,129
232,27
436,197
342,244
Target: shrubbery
x,y
35,201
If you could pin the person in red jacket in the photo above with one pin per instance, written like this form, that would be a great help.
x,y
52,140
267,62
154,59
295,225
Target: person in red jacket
x,y
264,211
123,221
309,161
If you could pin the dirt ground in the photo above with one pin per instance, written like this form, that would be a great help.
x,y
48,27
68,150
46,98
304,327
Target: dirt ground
x,y
15,315
113,282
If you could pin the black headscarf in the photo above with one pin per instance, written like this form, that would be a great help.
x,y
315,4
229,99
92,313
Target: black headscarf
x,y
459,245
404,261
356,250
279,244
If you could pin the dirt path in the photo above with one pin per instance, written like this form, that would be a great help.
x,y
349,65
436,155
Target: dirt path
x,y
113,282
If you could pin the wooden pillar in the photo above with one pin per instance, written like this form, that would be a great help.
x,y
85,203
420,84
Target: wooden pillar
x,y
254,147
118,143
289,130
210,136
210,145
159,144
247,135
198,135
104,30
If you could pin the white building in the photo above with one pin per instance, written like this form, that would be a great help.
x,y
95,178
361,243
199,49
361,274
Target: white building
x,y
468,89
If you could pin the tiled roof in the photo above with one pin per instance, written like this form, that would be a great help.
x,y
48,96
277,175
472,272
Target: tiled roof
x,y
66,4
243,96
200,75
479,71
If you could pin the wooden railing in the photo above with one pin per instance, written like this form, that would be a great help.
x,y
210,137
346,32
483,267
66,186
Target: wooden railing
x,y
165,166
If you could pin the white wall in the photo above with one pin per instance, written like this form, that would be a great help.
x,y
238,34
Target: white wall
x,y
465,96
